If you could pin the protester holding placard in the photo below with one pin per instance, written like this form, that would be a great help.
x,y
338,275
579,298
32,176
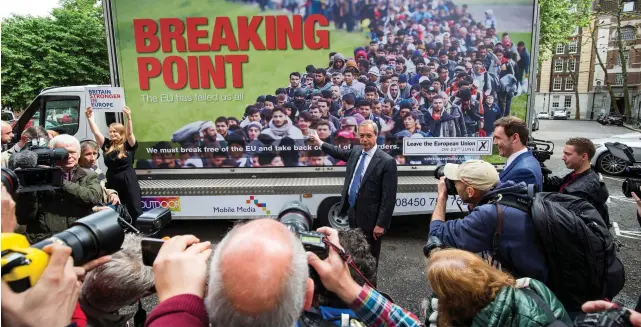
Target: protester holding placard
x,y
119,150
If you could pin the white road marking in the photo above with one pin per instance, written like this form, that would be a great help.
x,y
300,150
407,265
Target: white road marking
x,y
621,198
635,235
614,178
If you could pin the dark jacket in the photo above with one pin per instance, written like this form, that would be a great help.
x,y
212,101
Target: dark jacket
x,y
518,249
585,185
525,168
446,126
512,307
49,212
376,197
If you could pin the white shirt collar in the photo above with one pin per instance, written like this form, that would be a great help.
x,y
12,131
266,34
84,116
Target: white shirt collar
x,y
371,152
514,156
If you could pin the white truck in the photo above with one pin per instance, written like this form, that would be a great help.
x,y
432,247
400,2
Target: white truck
x,y
160,106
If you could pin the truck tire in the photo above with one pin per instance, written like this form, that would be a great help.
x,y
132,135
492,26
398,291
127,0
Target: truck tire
x,y
328,214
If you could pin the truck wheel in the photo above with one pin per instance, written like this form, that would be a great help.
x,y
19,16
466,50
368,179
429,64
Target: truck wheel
x,y
328,214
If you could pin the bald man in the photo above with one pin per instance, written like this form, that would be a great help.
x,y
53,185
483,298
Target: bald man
x,y
7,133
259,276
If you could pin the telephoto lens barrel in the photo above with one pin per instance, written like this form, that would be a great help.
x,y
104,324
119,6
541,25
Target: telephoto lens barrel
x,y
295,215
91,237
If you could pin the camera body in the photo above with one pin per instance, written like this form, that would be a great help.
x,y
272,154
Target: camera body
x,y
451,187
48,157
541,150
296,216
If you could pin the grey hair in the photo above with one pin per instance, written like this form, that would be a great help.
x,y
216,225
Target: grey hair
x,y
371,123
119,282
291,299
65,139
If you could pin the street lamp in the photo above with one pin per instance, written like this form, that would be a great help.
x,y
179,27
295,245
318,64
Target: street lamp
x,y
597,89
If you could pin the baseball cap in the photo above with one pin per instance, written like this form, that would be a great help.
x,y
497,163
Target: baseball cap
x,y
479,174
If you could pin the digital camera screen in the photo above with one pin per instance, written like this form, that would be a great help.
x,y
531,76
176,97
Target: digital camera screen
x,y
310,239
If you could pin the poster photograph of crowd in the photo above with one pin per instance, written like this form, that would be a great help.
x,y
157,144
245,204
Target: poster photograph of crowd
x,y
418,69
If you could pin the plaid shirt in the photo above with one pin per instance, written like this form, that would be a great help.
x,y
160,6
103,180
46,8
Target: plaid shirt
x,y
377,311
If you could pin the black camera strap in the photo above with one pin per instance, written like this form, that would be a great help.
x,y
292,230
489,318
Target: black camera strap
x,y
141,316
349,260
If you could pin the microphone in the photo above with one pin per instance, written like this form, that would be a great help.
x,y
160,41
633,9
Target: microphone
x,y
23,159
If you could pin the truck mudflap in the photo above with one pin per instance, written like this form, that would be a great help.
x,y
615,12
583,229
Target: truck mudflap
x,y
270,186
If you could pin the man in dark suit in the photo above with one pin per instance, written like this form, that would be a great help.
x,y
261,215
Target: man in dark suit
x,y
510,136
369,192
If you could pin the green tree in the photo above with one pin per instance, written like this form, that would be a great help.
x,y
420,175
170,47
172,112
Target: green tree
x,y
559,20
68,48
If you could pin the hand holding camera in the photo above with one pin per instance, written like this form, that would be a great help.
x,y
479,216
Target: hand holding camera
x,y
52,299
333,271
181,267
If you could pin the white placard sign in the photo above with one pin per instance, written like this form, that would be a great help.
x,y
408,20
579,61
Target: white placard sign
x,y
447,146
106,98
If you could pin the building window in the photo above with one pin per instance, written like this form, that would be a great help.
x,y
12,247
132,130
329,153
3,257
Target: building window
x,y
572,65
628,33
560,48
626,56
567,103
556,86
572,47
619,79
569,84
555,101
558,65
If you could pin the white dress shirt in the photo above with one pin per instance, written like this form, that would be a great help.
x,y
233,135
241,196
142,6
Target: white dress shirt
x,y
513,156
368,159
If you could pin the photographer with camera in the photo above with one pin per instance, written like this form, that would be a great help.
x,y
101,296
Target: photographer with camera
x,y
52,301
34,135
259,276
582,182
48,212
511,241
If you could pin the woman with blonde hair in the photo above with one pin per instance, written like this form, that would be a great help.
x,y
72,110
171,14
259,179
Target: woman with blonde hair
x,y
119,150
470,292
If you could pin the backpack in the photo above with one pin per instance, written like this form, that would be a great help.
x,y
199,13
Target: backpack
x,y
580,251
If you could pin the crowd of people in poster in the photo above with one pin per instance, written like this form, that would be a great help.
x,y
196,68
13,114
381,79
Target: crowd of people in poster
x,y
430,69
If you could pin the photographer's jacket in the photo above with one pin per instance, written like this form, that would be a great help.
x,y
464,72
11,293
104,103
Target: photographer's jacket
x,y
585,185
48,212
518,249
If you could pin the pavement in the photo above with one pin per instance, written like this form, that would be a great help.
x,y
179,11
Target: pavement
x,y
402,264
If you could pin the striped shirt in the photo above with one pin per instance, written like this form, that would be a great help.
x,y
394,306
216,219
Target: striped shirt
x,y
377,311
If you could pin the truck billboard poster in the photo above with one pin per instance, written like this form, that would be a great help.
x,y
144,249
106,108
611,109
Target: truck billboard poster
x,y
224,83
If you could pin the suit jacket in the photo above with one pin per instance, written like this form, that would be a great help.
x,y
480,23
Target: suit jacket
x,y
525,168
376,197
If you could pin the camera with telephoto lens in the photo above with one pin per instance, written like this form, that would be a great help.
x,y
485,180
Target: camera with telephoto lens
x,y
296,217
89,238
451,187
626,154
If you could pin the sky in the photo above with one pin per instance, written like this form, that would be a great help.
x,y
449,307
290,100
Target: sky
x,y
26,7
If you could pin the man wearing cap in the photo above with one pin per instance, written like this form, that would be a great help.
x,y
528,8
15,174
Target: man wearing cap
x,y
349,109
477,183
369,192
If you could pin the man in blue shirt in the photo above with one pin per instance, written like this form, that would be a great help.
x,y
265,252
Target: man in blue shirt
x,y
511,136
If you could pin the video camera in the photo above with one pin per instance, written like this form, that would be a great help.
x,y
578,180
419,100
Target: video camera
x,y
625,153
541,150
89,238
29,175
